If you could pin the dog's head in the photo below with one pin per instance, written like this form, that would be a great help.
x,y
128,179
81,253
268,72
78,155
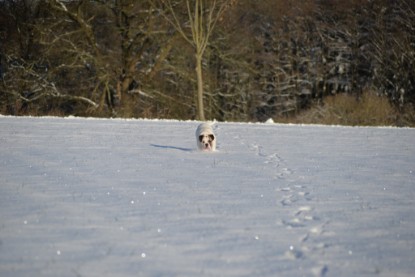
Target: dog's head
x,y
206,141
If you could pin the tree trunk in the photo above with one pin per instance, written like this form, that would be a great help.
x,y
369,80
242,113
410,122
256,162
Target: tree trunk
x,y
200,107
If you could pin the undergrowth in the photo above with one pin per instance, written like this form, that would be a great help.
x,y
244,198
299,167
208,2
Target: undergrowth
x,y
344,109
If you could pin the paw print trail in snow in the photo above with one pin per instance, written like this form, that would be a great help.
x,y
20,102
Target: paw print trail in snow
x,y
301,216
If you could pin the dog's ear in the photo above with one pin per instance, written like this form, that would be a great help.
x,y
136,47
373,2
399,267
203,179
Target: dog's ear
x,y
201,138
212,137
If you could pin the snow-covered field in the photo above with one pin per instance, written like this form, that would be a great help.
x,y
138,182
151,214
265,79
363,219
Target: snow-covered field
x,y
89,197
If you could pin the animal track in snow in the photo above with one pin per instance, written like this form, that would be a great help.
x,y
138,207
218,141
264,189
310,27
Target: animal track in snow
x,y
293,195
272,159
301,217
303,220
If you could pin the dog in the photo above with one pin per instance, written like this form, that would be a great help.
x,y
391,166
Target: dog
x,y
205,138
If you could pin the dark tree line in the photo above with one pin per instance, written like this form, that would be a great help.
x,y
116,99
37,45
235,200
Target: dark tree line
x,y
263,59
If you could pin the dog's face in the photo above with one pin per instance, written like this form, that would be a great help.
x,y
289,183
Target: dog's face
x,y
205,138
206,141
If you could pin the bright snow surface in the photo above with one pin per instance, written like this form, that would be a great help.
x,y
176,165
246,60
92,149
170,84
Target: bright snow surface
x,y
93,197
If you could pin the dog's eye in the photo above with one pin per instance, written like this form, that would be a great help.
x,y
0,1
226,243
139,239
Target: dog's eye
x,y
200,138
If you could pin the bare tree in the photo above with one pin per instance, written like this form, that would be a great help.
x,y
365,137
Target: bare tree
x,y
27,80
202,18
112,38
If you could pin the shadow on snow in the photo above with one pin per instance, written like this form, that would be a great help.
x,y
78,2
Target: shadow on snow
x,y
172,147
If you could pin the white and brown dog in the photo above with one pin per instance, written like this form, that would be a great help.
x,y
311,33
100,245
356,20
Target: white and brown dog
x,y
205,138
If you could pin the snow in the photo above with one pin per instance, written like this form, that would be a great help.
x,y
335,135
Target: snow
x,y
108,197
